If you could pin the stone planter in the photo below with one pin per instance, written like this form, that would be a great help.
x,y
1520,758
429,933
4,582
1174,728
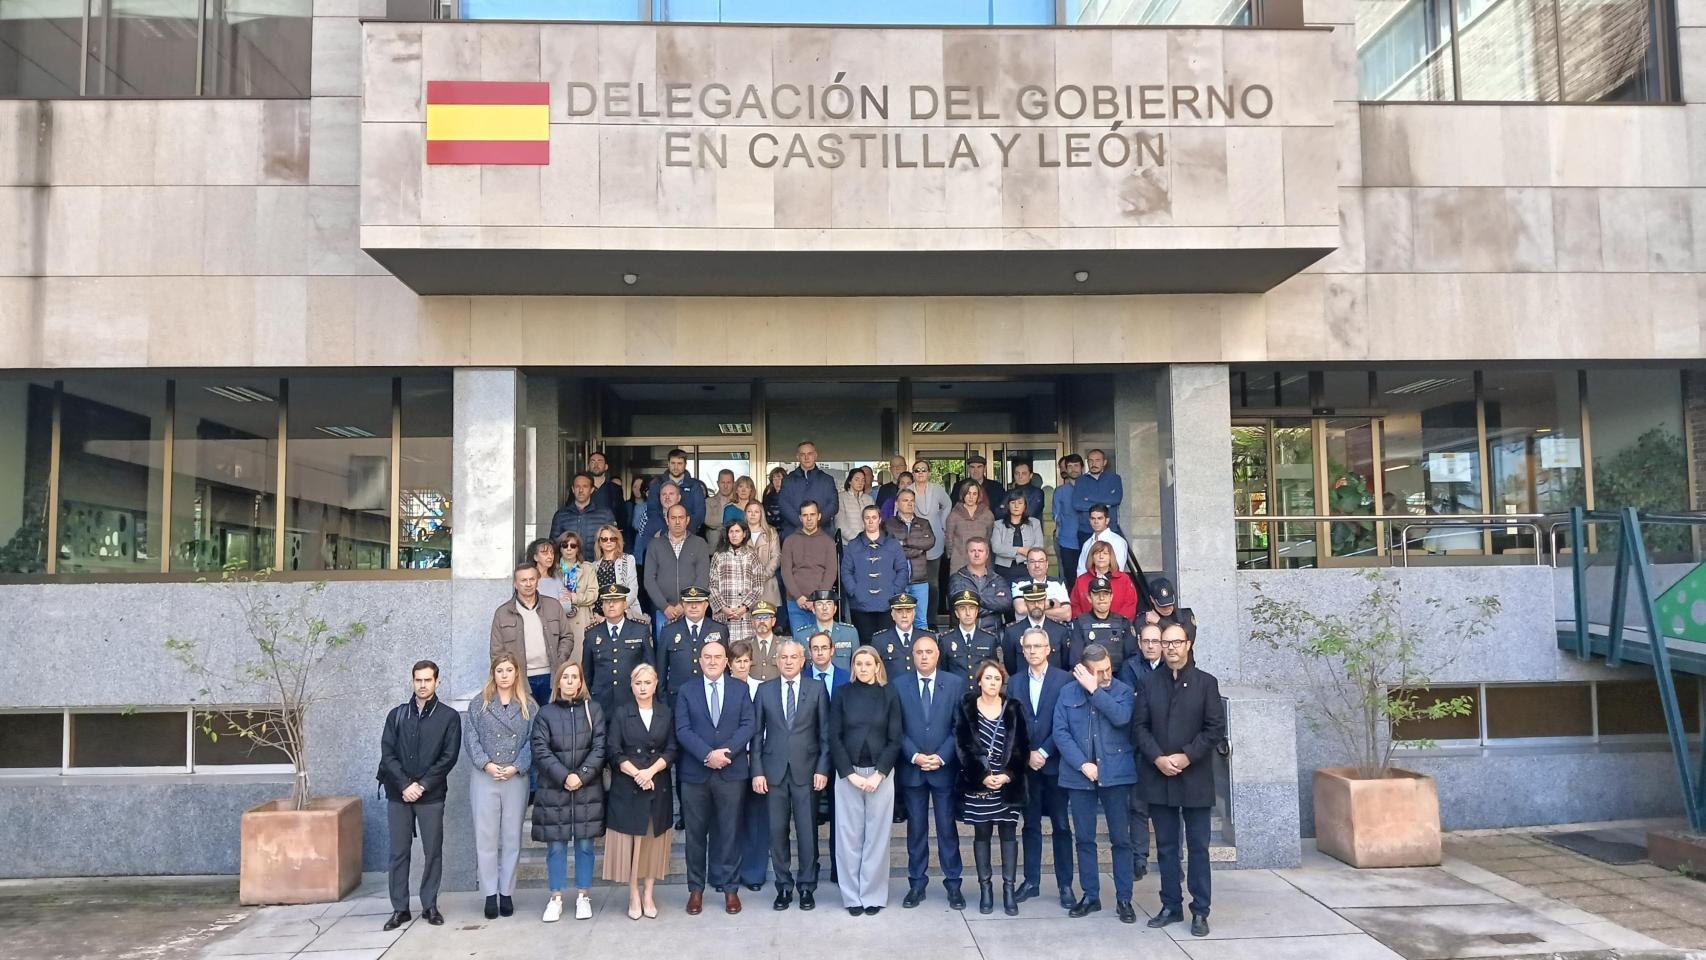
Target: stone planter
x,y
1391,822
301,856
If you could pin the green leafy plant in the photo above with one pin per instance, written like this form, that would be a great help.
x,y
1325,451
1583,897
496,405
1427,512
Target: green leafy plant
x,y
1367,671
299,661
1650,475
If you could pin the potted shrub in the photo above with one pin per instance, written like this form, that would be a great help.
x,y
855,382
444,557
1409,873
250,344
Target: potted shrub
x,y
301,848
1366,671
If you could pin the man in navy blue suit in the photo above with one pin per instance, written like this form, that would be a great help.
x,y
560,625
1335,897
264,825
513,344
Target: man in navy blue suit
x,y
714,725
929,701
1131,673
1038,689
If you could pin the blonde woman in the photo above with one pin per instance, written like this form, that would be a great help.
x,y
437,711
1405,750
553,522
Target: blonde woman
x,y
611,565
642,802
568,807
579,580
767,549
745,495
864,743
497,733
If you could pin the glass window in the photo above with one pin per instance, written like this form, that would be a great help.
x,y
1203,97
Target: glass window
x,y
224,474
1534,447
1000,407
1431,447
1633,708
423,510
1639,457
257,48
852,423
31,740
1446,728
1526,711
1610,50
1250,493
1404,50
1344,389
1350,484
338,474
26,453
142,48
677,409
1269,389
1507,50
1157,12
40,48
224,747
111,475
140,739
619,10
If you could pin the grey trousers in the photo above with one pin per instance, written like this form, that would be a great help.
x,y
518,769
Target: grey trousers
x,y
403,820
498,812
862,825
793,805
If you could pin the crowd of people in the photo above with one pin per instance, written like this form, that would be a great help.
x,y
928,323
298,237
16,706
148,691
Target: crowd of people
x,y
788,676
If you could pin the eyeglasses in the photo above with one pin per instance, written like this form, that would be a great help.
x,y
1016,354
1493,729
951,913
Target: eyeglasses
x,y
606,539
1174,643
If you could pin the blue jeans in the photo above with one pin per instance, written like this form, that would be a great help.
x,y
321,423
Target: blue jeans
x,y
557,864
921,593
1116,807
1165,821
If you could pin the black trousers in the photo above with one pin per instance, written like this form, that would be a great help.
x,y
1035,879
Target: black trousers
x,y
793,806
869,623
1196,821
404,820
712,813
1045,797
1068,564
1139,831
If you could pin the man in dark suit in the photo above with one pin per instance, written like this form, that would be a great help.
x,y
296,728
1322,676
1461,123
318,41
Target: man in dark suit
x,y
791,753
894,644
1131,673
680,641
612,648
1035,597
929,700
1037,688
965,644
1092,728
714,726
1179,722
820,647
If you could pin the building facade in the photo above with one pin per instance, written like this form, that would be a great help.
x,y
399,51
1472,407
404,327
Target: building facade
x,y
348,290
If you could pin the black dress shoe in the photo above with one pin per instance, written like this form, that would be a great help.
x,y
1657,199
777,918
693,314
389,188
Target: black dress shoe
x,y
398,919
1067,900
808,899
913,898
755,887
872,911
506,906
956,899
1025,892
1126,913
1199,925
1164,918
680,824
1140,871
1084,907
492,907
784,897
432,916
855,911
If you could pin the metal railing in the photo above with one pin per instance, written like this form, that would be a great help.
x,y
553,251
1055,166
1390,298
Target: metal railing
x,y
1406,521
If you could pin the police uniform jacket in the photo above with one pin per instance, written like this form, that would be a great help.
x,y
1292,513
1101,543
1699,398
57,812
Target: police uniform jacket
x,y
678,654
994,595
961,655
1180,713
1112,631
843,639
609,661
1059,639
897,653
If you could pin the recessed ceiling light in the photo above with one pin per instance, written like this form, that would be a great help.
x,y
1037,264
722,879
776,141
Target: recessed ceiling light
x,y
630,278
1081,276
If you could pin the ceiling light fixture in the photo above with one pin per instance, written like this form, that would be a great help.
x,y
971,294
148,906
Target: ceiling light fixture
x,y
239,394
630,278
345,433
1081,276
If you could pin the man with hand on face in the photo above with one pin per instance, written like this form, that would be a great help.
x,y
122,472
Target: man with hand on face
x,y
714,726
1092,728
929,701
791,768
1180,722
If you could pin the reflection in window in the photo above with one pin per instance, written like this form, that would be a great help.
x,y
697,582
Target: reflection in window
x,y
1220,13
1350,484
1534,448
224,474
31,740
1431,446
111,475
140,739
26,451
338,474
40,48
1527,711
1639,457
423,508
257,48
143,48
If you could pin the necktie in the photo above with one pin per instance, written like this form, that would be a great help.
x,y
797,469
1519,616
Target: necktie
x,y
693,631
928,699
906,640
823,678
788,708
614,631
716,701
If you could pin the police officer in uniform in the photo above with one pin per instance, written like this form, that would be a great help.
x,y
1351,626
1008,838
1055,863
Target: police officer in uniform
x,y
1164,603
965,645
682,638
613,647
1102,626
1035,595
843,637
894,645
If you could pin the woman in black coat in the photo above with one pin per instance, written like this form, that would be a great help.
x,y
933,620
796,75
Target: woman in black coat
x,y
642,751
989,736
568,804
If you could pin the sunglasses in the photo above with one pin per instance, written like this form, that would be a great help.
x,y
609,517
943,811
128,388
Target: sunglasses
x,y
606,539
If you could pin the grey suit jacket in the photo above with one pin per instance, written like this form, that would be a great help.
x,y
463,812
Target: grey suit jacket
x,y
794,751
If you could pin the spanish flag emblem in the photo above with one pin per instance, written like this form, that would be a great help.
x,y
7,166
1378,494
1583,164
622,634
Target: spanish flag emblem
x,y
485,122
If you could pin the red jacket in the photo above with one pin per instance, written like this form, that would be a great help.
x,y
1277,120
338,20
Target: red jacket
x,y
1125,595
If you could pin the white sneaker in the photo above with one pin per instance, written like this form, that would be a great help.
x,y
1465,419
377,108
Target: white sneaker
x,y
583,907
553,910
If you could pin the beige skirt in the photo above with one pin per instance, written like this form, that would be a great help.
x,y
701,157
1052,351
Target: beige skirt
x,y
636,858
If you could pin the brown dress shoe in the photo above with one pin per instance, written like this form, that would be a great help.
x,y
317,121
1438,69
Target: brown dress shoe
x,y
731,902
695,902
